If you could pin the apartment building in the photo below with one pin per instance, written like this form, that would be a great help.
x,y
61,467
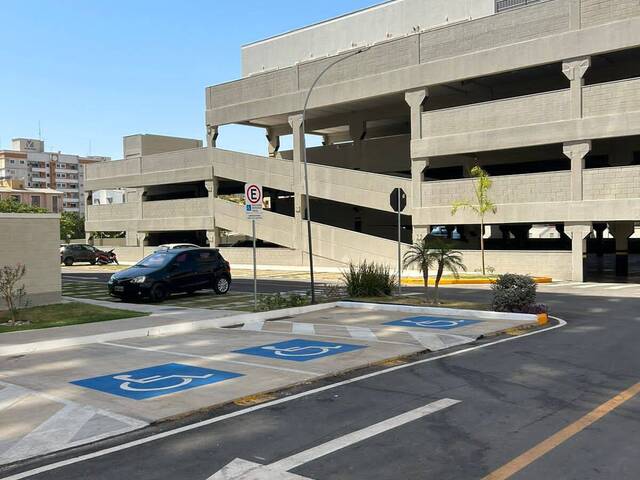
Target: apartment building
x,y
544,95
29,162
37,197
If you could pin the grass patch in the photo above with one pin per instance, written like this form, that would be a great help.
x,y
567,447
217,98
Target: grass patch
x,y
420,301
62,314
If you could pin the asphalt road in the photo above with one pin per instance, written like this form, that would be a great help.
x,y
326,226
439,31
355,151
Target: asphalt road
x,y
512,396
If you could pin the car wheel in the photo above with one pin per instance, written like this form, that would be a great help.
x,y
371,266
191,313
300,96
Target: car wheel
x,y
92,262
221,285
158,293
68,261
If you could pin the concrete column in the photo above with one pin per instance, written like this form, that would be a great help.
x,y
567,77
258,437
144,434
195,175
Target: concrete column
x,y
621,231
141,238
298,178
131,239
415,99
419,232
574,70
575,15
274,142
212,135
576,152
578,232
213,235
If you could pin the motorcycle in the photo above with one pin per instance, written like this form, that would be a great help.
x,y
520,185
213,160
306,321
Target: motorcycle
x,y
106,258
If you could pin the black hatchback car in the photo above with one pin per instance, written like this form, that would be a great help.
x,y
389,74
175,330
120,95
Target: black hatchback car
x,y
77,252
172,271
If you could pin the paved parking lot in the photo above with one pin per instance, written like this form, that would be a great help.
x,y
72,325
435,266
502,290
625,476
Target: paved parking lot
x,y
61,398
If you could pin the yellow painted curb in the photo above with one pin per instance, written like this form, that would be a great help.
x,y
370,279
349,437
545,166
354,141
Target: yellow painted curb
x,y
465,281
543,319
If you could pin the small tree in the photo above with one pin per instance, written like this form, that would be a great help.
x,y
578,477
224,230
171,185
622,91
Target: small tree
x,y
71,225
447,259
482,204
12,294
11,205
420,254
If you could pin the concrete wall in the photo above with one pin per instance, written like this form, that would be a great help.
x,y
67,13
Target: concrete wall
x,y
594,12
612,183
144,144
532,187
364,27
33,240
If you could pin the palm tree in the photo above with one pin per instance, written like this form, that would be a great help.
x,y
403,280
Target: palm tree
x,y
421,254
446,259
482,205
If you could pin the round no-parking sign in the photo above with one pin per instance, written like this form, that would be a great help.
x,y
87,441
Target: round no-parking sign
x,y
253,201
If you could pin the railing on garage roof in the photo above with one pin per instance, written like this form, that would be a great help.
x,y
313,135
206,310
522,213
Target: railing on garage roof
x,y
502,5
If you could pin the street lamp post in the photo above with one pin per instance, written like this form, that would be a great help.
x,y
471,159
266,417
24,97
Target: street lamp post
x,y
304,159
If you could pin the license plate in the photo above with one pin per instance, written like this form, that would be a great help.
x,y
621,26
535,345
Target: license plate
x,y
118,289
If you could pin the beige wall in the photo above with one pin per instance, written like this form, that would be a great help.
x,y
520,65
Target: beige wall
x,y
33,239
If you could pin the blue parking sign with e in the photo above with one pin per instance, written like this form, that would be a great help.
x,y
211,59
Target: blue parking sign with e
x,y
439,323
299,350
155,381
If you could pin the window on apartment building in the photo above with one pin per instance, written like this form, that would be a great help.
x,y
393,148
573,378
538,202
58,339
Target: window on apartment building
x,y
21,162
12,161
35,200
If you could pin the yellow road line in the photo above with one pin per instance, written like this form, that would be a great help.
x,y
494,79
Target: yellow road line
x,y
544,447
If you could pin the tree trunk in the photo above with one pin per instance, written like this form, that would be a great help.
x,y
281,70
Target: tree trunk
x,y
482,246
425,278
437,283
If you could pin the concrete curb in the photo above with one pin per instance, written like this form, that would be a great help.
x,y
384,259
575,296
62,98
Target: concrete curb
x,y
442,312
465,281
171,329
248,318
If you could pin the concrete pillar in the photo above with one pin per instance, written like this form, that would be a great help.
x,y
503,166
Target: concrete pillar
x,y
212,135
415,99
419,232
131,239
621,231
576,152
578,232
574,70
575,15
274,142
298,178
141,238
213,234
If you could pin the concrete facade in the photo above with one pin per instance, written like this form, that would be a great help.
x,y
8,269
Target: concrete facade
x,y
20,236
543,95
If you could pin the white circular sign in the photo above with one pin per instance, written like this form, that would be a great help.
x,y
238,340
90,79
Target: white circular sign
x,y
254,195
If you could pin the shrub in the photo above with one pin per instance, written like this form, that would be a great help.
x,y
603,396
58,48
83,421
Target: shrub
x,y
276,301
536,309
368,280
513,293
12,293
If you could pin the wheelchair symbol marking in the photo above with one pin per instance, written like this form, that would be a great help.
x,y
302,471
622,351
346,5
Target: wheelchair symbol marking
x,y
155,381
185,380
293,351
438,323
300,350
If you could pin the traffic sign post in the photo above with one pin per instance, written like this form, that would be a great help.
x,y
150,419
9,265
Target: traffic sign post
x,y
398,201
253,209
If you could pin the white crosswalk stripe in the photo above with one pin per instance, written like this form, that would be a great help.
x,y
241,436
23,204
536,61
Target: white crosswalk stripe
x,y
362,333
303,328
71,424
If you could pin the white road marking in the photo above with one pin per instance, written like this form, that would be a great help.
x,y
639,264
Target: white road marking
x,y
590,285
303,328
240,469
362,333
55,431
216,358
253,326
11,394
621,287
319,451
245,411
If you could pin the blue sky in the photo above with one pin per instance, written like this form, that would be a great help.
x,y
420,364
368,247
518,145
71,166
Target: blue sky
x,y
93,71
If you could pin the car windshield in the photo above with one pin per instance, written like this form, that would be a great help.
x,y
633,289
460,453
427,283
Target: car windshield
x,y
155,260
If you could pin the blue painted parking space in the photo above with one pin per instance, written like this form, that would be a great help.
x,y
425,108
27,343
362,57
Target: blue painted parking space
x,y
155,381
438,323
299,350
